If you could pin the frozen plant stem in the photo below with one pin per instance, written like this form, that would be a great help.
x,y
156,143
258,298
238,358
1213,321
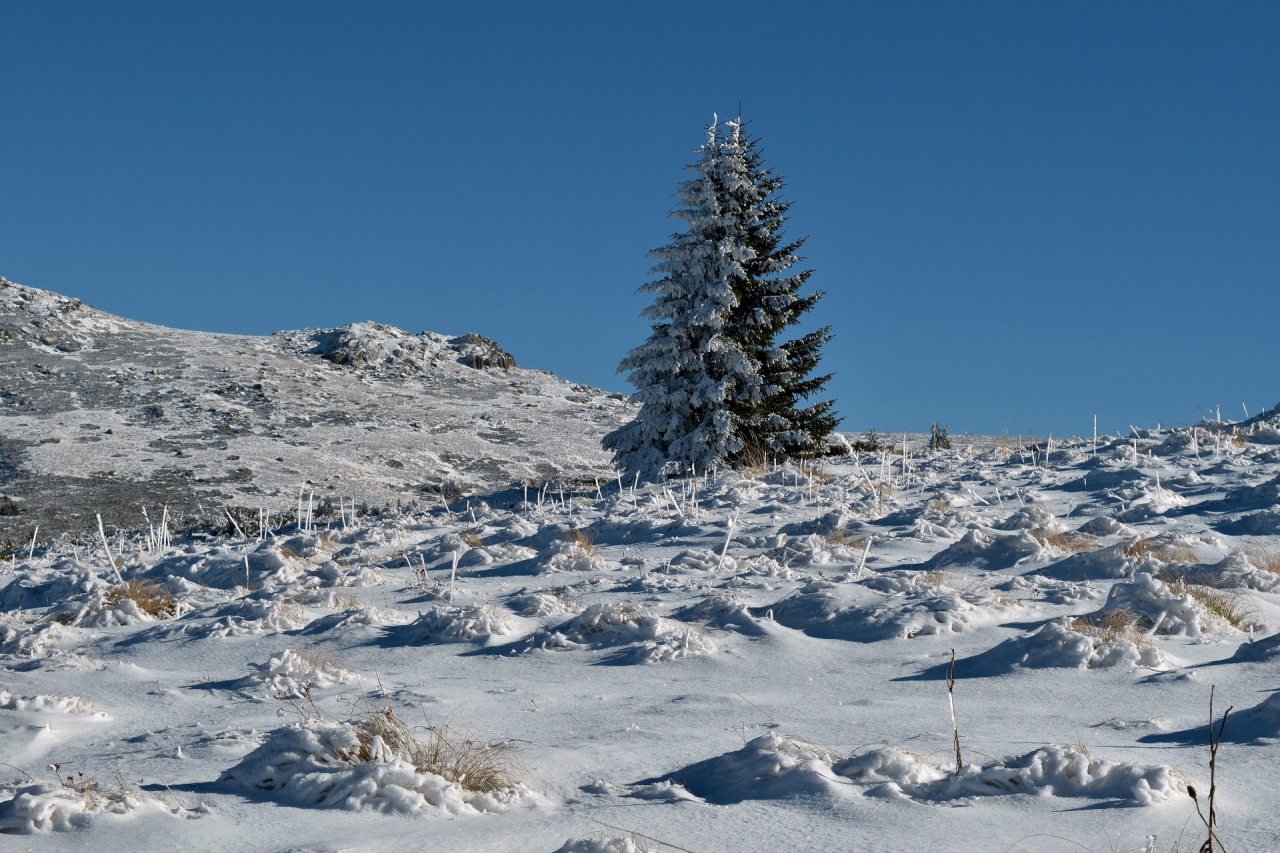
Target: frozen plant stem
x,y
725,550
1214,743
232,519
105,547
863,562
951,698
453,575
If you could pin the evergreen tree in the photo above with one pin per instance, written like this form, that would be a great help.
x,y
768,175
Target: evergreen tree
x,y
769,415
688,369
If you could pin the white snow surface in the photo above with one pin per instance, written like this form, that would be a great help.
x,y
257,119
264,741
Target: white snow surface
x,y
786,691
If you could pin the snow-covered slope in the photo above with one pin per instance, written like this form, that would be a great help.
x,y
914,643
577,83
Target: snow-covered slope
x,y
737,662
103,414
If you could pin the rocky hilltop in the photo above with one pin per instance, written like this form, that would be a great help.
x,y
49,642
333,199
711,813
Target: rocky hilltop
x,y
100,414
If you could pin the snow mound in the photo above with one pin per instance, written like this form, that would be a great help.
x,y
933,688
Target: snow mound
x,y
446,623
246,617
124,612
1060,771
43,702
1068,643
44,807
991,549
316,765
547,602
571,556
654,638
1176,608
775,766
285,674
1260,721
704,559
925,605
725,609
372,617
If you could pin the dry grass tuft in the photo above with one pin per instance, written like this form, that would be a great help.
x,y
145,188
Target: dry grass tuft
x,y
1238,611
95,794
1165,552
152,598
818,473
1262,557
1068,541
1119,624
582,539
291,611
934,577
754,457
319,657
455,752
471,539
840,536
345,601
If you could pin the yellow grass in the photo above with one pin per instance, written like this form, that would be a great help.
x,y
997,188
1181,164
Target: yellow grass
x,y
1067,541
582,539
1237,610
1262,557
457,753
1165,552
1119,624
152,598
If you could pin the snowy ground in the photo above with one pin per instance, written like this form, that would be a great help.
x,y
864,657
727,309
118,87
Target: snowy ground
x,y
785,693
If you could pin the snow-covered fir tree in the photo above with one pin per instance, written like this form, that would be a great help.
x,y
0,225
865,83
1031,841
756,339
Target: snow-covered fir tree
x,y
771,417
689,369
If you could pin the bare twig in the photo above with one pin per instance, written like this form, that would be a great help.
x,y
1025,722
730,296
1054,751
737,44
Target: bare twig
x,y
1214,743
951,698
166,787
642,835
753,705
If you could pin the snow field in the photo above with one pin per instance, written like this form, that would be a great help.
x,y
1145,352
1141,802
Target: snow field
x,y
732,662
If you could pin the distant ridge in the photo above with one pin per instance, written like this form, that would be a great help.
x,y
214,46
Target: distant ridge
x,y
103,414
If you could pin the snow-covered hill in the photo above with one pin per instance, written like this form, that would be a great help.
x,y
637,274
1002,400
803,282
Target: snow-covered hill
x,y
99,414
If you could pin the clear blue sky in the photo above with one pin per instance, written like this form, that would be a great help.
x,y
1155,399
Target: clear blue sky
x,y
1023,213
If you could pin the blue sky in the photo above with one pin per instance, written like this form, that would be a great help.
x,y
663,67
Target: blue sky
x,y
1023,214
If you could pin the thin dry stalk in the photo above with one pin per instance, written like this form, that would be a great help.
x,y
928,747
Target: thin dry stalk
x,y
1214,743
951,698
638,838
